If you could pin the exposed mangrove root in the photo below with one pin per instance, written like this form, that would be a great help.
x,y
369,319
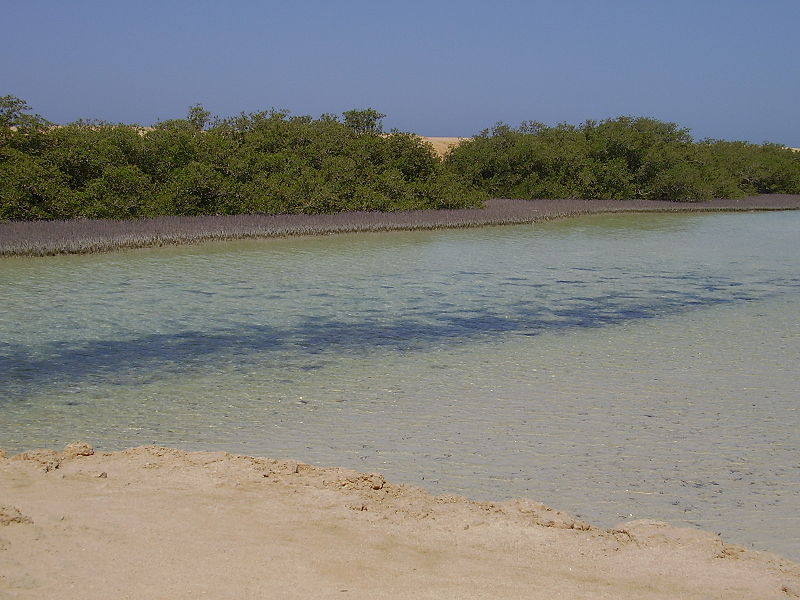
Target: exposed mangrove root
x,y
43,238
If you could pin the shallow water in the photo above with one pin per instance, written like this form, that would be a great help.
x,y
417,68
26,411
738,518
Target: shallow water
x,y
616,367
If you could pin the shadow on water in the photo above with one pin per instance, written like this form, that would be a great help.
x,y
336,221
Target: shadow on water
x,y
153,356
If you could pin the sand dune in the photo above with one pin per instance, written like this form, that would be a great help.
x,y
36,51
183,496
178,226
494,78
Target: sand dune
x,y
443,145
161,523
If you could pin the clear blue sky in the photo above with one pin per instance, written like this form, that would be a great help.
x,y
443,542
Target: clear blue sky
x,y
725,68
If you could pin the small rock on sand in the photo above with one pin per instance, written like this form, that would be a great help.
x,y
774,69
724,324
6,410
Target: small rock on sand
x,y
78,449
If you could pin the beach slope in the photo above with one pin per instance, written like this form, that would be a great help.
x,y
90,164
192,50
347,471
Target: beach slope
x,y
156,522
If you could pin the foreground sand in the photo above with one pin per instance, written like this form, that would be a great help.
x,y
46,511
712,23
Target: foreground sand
x,y
161,523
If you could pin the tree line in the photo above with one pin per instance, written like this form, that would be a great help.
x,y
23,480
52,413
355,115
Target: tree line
x,y
274,162
622,158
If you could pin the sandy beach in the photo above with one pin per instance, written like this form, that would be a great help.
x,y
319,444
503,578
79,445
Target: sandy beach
x,y
155,522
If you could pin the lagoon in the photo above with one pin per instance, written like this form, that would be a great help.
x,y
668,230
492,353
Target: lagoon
x,y
615,366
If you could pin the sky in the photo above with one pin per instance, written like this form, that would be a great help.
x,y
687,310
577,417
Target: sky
x,y
726,69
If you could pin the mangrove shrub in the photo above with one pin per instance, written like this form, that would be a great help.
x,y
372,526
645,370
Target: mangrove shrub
x,y
273,162
622,158
262,162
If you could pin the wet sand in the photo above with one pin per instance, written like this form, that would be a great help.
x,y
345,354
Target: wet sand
x,y
162,523
37,238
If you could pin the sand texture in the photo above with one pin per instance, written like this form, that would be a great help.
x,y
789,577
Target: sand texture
x,y
162,523
443,145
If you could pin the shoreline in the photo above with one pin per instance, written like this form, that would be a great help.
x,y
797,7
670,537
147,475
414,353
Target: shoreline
x,y
48,238
153,522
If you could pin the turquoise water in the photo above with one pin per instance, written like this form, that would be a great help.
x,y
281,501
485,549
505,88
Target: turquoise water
x,y
618,367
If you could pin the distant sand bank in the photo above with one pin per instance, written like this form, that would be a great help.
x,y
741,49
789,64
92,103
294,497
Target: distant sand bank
x,y
443,145
161,523
38,238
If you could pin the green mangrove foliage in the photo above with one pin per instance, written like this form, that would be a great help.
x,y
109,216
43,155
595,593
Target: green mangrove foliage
x,y
622,158
275,163
263,162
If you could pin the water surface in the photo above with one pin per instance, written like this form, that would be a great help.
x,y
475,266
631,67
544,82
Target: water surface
x,y
616,367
